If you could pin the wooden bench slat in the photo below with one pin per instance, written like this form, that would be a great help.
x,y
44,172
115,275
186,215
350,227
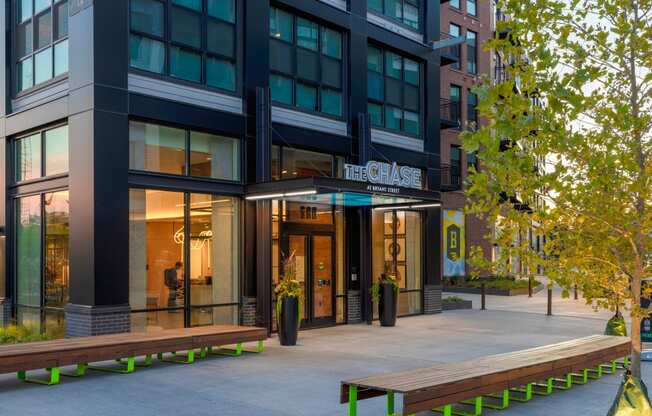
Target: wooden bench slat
x,y
448,383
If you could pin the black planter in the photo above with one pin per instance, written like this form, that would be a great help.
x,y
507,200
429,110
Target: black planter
x,y
289,321
387,304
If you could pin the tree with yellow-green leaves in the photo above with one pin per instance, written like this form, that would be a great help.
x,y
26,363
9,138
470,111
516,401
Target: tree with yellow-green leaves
x,y
567,148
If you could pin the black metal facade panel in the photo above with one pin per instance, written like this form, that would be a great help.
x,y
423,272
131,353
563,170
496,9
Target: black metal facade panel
x,y
318,141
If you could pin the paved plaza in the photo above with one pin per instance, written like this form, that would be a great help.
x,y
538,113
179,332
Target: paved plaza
x,y
305,380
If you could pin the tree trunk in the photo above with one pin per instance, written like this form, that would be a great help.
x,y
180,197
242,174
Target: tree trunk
x,y
636,327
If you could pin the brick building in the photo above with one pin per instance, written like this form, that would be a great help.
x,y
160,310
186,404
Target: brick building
x,y
472,19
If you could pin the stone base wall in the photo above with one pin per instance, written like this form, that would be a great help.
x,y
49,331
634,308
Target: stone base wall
x,y
354,307
84,321
432,299
5,312
248,312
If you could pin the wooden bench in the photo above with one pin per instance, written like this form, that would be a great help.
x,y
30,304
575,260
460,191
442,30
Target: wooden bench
x,y
124,348
498,378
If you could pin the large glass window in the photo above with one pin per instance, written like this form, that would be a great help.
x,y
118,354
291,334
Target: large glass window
x,y
161,149
455,3
214,262
288,163
456,31
472,52
41,43
163,289
456,101
406,12
471,7
393,90
57,233
397,249
197,40
42,260
41,154
472,110
305,63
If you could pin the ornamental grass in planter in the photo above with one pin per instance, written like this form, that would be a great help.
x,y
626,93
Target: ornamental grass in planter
x,y
288,303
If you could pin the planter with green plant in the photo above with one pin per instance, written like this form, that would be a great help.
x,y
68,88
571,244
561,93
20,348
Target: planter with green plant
x,y
288,303
385,293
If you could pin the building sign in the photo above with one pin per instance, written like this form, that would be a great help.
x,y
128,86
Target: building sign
x,y
454,248
379,173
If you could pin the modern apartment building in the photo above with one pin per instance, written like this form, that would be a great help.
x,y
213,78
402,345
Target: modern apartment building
x,y
162,158
472,19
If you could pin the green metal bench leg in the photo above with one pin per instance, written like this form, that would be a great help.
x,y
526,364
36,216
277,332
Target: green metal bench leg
x,y
610,368
528,394
231,352
390,403
189,358
146,363
548,386
353,400
54,377
581,378
477,407
129,367
80,371
595,373
504,401
567,382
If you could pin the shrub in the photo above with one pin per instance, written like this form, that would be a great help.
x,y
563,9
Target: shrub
x,y
498,283
452,299
15,334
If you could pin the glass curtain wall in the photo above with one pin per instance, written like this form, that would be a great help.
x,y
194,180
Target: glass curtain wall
x,y
179,274
397,249
42,261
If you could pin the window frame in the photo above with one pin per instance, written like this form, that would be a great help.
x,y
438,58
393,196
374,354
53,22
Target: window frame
x,y
458,88
472,52
403,82
42,137
320,85
16,60
475,8
187,157
471,108
188,306
401,22
279,150
456,65
203,51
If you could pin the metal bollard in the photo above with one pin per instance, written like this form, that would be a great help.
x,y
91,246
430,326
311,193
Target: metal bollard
x,y
549,302
482,295
575,292
529,287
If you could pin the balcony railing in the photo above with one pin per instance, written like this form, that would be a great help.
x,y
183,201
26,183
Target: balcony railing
x,y
451,177
450,112
453,52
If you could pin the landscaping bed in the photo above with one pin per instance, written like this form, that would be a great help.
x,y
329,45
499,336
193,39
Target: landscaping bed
x,y
452,303
495,286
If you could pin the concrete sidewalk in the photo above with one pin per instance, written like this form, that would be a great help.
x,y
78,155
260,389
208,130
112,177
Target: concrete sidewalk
x,y
305,380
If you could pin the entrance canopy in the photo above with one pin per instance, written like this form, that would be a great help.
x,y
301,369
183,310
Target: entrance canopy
x,y
341,192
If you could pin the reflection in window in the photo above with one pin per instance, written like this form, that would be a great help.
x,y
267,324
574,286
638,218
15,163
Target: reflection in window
x,y
316,83
214,156
393,91
200,42
28,158
28,250
50,145
57,233
157,148
41,42
404,11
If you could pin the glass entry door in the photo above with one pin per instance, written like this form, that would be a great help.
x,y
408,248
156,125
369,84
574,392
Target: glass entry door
x,y
315,272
